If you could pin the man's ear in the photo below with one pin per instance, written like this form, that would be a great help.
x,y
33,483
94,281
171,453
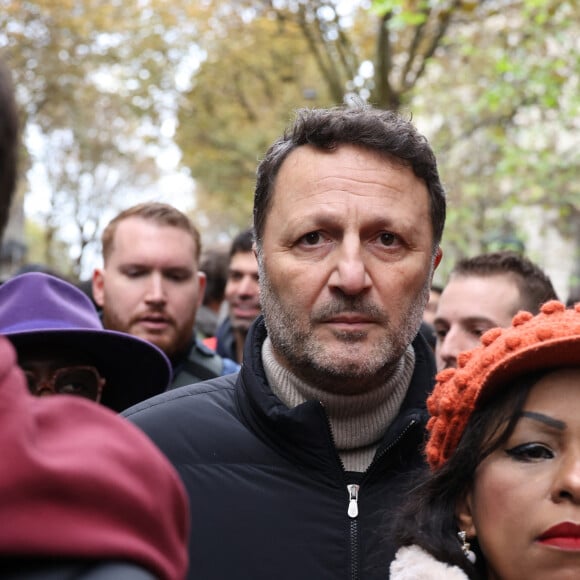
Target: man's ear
x,y
98,286
464,515
202,281
437,259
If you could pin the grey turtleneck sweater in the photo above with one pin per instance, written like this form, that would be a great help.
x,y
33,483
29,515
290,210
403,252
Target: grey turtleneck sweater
x,y
357,421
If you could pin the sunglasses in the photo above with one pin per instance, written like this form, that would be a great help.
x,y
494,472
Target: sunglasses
x,y
84,381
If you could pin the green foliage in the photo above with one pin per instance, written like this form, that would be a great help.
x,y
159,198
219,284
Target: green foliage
x,y
53,256
402,13
506,126
93,80
494,85
238,105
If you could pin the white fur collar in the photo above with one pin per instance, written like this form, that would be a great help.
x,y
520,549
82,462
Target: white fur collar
x,y
413,563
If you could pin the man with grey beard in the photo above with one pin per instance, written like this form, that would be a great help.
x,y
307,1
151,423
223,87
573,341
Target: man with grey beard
x,y
294,464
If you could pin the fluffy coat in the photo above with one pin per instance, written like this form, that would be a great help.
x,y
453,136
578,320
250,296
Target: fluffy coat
x,y
414,563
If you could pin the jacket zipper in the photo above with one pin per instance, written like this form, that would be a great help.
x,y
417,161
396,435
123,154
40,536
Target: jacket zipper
x,y
353,515
353,499
352,510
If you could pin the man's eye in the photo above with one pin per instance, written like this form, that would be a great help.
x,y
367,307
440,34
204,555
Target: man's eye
x,y
530,452
178,276
388,239
478,331
311,239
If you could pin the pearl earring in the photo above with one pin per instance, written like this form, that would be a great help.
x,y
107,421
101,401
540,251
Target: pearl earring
x,y
465,547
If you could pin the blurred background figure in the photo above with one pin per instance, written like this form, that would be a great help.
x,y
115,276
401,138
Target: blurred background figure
x,y
64,349
427,329
574,297
150,286
242,295
482,292
37,267
214,264
431,308
84,495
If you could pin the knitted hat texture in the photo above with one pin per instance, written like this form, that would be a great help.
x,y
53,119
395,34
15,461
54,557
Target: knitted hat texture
x,y
549,339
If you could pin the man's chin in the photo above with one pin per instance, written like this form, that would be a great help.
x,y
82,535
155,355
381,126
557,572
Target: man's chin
x,y
161,341
344,376
349,360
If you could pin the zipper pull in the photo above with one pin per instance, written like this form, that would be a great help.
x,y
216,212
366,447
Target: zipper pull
x,y
352,500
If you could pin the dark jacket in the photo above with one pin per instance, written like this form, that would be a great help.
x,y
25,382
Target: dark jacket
x,y
267,489
201,364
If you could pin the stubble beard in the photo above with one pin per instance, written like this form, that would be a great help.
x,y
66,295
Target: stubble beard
x,y
172,346
355,367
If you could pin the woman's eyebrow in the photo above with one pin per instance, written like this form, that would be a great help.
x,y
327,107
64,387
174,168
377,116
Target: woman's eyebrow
x,y
550,421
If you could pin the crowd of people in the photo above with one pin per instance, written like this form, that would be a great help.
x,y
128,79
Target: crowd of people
x,y
325,411
83,493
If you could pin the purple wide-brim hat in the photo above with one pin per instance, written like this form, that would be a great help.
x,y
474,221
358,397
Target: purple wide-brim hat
x,y
41,310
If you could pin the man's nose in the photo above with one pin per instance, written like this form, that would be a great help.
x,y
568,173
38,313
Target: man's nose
x,y
448,348
40,383
248,286
349,272
156,289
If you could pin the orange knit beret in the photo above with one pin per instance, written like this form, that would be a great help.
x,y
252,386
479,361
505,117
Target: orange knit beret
x,y
531,343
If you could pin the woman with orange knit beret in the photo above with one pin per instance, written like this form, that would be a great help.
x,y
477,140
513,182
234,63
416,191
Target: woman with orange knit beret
x,y
502,498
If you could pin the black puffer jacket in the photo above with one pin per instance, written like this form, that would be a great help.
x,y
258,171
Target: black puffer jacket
x,y
268,493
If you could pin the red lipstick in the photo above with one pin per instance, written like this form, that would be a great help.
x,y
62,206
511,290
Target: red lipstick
x,y
565,536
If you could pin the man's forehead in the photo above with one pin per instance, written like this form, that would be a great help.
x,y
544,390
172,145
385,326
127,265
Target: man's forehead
x,y
143,243
243,258
477,297
134,225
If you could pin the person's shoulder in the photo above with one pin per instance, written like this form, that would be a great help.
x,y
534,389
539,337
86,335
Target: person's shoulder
x,y
180,421
201,364
204,349
228,365
175,400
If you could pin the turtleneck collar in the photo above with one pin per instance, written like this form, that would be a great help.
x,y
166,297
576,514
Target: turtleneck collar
x,y
358,422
